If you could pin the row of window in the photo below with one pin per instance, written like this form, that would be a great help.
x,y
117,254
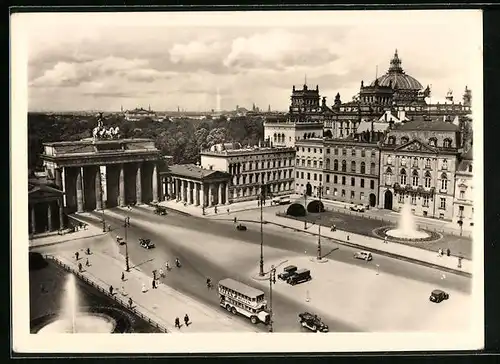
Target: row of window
x,y
343,179
415,162
415,179
425,201
259,177
236,168
336,151
447,142
254,191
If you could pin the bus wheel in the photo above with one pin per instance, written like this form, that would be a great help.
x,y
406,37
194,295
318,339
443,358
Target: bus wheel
x,y
228,308
233,310
253,319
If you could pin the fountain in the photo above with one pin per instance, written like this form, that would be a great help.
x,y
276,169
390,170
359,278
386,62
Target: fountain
x,y
406,229
73,320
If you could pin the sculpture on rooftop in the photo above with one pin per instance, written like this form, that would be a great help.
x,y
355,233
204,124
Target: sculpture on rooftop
x,y
101,132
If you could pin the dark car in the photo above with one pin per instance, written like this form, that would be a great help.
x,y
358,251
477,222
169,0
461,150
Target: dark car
x,y
241,227
160,210
301,275
288,271
312,322
437,296
146,243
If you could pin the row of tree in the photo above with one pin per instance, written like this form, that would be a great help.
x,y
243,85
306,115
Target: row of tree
x,y
180,138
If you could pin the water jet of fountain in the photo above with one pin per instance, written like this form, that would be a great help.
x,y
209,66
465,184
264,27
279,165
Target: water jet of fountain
x,y
407,229
70,303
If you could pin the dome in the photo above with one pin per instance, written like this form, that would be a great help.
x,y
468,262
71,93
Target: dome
x,y
397,78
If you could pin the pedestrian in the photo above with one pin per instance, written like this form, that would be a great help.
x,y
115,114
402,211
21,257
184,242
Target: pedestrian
x,y
154,283
87,264
154,274
109,227
177,323
130,302
123,276
77,255
440,252
347,237
215,209
144,289
448,252
228,211
80,267
258,203
111,290
385,240
459,262
186,320
235,219
88,251
124,293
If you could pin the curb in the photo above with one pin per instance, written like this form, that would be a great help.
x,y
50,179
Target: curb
x,y
31,247
385,253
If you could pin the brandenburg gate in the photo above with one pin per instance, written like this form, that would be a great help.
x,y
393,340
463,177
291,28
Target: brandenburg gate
x,y
102,173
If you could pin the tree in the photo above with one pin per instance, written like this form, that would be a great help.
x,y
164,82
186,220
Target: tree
x,y
296,209
201,135
216,136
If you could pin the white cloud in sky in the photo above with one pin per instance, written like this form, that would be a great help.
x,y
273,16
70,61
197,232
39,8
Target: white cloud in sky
x,y
82,61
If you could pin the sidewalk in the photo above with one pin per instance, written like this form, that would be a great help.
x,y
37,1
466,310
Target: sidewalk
x,y
162,305
90,232
210,211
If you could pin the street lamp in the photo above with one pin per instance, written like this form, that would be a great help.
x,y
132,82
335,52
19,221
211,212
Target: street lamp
x,y
126,225
102,204
305,207
262,197
320,192
272,280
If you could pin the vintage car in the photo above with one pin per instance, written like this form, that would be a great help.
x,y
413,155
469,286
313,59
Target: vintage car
x,y
241,227
357,208
160,210
363,255
120,240
312,322
438,295
288,271
146,243
299,276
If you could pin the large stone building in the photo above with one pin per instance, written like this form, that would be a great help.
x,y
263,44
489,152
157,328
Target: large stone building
x,y
250,167
463,207
140,114
304,120
96,174
308,166
418,163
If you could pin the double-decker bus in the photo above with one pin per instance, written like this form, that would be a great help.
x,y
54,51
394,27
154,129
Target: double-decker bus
x,y
237,297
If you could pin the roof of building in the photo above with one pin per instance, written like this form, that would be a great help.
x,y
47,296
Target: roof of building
x,y
422,124
193,171
42,186
397,78
466,161
366,125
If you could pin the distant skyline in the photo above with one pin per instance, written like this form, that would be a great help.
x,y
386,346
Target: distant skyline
x,y
105,61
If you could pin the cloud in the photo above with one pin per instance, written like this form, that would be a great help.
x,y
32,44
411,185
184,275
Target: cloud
x,y
195,52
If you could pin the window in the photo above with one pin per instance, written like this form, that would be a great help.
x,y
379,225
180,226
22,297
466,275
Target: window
x,y
404,140
361,195
308,176
321,164
301,174
447,143
444,182
343,180
413,199
327,163
389,160
373,154
315,164
344,151
427,180
353,152
335,165
314,150
336,151
445,164
362,182
433,142
428,163
344,166
462,194
372,168
460,211
335,180
327,178
327,150
392,140
320,177
335,192
425,201
415,162
414,178
308,163
353,195
308,150
388,176
470,168
372,184
315,176
442,203
401,198
403,161
353,166
363,153
303,162
343,193
297,162
353,181
297,174
363,168
402,177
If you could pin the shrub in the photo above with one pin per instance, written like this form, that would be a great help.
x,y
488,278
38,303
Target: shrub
x,y
36,261
296,209
315,206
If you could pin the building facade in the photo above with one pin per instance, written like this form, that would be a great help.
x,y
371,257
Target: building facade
x,y
308,166
45,205
140,114
418,164
251,167
463,207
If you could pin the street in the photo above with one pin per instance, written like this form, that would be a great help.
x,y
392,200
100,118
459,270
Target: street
x,y
213,248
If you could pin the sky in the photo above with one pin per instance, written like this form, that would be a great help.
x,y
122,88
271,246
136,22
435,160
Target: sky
x,y
102,61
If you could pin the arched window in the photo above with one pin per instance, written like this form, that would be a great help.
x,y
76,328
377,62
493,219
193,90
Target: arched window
x,y
315,164
445,164
305,135
447,143
388,176
363,168
414,178
415,162
282,137
335,165
402,177
372,168
353,166
313,135
404,140
433,142
327,163
392,140
428,163
274,137
389,159
444,181
344,166
427,179
403,161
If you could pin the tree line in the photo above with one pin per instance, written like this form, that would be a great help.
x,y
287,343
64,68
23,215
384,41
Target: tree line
x,y
180,138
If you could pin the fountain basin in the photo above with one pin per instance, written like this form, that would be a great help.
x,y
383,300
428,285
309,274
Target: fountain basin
x,y
407,234
85,323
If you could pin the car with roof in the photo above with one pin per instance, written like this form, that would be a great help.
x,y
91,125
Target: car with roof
x,y
357,208
288,271
312,322
363,255
146,243
438,295
301,275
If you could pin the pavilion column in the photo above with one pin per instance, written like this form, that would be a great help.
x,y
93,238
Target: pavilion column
x,y
183,192
219,200
49,216
58,177
155,183
196,194
98,189
176,189
79,192
121,198
169,188
189,196
138,186
61,216
33,221
202,194
211,194
63,178
227,193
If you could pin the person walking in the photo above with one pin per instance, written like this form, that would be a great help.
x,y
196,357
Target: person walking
x,y
77,255
87,264
186,320
130,302
144,289
347,237
177,323
123,276
80,268
385,240
215,209
88,251
235,219
448,252
111,290
154,284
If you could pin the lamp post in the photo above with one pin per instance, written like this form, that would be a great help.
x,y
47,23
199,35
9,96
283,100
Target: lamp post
x,y
305,207
263,190
320,192
126,225
103,201
272,280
